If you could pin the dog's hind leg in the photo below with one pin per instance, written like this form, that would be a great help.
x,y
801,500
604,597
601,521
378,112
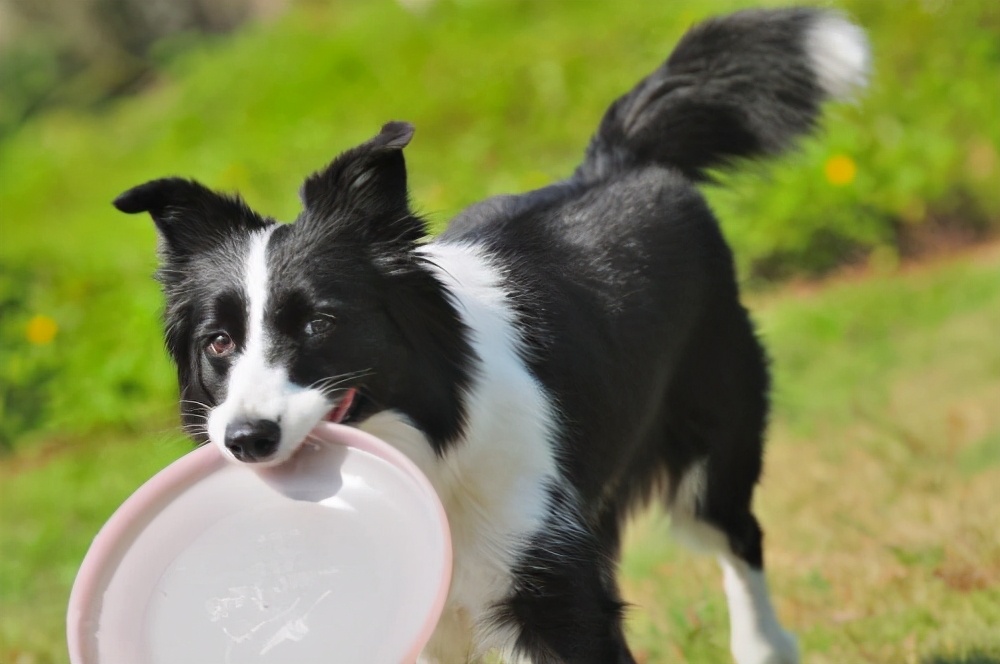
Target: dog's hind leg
x,y
719,409
756,635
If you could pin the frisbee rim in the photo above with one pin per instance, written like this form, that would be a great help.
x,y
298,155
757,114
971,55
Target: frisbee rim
x,y
145,502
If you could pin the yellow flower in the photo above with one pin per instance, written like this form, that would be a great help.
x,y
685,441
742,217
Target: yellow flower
x,y
41,330
840,170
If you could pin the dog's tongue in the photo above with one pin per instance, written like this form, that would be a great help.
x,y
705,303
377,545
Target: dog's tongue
x,y
343,407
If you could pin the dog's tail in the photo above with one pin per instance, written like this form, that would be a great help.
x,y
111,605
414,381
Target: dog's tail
x,y
739,86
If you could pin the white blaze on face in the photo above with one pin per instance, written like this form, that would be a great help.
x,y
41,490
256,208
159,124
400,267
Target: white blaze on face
x,y
258,389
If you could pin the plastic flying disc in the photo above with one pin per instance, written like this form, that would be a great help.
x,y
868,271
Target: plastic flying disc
x,y
341,555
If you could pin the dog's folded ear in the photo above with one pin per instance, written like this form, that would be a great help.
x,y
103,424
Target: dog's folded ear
x,y
363,192
189,216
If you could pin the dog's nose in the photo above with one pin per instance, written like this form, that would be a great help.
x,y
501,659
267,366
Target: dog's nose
x,y
253,441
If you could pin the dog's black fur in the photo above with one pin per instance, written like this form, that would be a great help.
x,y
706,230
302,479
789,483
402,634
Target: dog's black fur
x,y
623,296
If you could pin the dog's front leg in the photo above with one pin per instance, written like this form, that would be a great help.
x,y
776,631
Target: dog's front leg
x,y
566,608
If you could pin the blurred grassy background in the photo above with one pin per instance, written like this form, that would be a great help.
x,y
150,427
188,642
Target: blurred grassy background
x,y
880,494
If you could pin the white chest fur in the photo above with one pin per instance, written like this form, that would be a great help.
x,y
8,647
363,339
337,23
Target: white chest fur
x,y
492,482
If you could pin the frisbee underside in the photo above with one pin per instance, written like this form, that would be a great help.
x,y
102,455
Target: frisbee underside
x,y
336,556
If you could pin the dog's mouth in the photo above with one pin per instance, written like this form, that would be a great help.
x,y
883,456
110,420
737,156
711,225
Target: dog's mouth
x,y
347,407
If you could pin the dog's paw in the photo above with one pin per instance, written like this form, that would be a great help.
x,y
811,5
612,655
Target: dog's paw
x,y
775,647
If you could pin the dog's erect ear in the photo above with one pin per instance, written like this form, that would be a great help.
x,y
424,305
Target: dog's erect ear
x,y
190,217
363,192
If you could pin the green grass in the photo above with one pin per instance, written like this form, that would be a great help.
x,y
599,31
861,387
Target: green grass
x,y
880,499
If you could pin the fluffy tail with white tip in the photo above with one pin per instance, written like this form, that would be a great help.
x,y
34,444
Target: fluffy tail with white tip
x,y
740,86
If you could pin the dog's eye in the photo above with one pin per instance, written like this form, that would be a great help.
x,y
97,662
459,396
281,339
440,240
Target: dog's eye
x,y
221,345
319,326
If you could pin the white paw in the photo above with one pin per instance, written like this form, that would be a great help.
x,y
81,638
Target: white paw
x,y
775,647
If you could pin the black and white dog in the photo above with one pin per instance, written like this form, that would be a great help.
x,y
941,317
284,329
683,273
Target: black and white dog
x,y
552,361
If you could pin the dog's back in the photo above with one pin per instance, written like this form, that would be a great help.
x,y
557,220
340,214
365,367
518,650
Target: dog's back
x,y
624,281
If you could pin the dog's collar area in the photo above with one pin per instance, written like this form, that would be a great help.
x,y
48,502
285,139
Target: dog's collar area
x,y
346,409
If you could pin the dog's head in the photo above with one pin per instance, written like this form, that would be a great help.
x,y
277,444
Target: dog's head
x,y
275,327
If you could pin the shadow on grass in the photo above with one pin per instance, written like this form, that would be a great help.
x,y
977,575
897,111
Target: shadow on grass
x,y
968,658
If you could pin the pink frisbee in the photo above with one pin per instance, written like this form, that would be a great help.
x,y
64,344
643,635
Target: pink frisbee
x,y
342,554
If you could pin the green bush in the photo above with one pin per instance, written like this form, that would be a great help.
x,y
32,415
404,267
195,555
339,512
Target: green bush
x,y
924,139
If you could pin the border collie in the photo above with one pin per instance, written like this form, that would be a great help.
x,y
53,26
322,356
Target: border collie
x,y
553,361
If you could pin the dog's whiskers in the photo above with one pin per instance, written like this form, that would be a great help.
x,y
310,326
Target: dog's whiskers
x,y
331,383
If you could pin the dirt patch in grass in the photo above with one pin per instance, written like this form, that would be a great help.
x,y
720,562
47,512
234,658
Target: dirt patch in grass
x,y
983,251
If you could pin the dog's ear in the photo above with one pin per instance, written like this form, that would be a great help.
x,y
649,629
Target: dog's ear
x,y
190,217
363,194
